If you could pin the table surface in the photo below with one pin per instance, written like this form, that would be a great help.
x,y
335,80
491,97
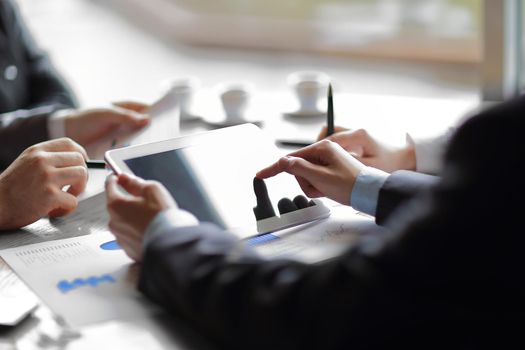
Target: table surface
x,y
386,116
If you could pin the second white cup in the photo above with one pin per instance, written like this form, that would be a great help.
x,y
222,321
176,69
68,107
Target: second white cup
x,y
309,86
235,98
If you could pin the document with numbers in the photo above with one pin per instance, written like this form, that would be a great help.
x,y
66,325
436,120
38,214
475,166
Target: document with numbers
x,y
86,280
90,217
16,300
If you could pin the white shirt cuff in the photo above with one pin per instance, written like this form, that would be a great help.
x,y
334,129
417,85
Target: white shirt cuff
x,y
167,220
365,193
56,124
430,152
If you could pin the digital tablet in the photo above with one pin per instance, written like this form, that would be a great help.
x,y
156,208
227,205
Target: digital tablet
x,y
212,176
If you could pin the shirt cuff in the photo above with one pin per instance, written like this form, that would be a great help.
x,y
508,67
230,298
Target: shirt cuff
x,y
430,151
56,124
365,193
168,220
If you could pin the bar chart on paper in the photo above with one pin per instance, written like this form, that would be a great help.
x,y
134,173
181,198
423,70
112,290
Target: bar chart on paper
x,y
66,286
88,279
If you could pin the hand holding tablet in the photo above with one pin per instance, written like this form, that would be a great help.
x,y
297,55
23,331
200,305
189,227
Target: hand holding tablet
x,y
211,176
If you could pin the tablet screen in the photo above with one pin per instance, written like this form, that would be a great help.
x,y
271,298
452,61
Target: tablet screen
x,y
214,181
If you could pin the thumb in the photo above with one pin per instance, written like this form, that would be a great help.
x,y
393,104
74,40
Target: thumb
x,y
322,133
132,184
130,118
349,142
64,203
132,106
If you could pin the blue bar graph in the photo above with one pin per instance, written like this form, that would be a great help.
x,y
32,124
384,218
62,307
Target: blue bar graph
x,y
66,286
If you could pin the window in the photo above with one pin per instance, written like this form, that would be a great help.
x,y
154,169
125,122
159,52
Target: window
x,y
445,30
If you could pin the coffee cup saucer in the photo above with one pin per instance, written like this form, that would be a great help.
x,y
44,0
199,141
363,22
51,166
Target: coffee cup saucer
x,y
225,123
189,118
306,114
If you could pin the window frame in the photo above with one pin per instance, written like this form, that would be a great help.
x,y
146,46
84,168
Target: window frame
x,y
502,64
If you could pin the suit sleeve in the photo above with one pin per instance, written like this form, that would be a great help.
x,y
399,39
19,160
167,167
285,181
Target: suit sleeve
x,y
39,93
399,188
46,86
440,274
21,129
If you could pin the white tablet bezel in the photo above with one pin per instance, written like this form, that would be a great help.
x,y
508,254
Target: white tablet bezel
x,y
116,161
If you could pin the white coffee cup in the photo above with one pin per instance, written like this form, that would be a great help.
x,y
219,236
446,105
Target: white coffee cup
x,y
183,89
309,86
235,98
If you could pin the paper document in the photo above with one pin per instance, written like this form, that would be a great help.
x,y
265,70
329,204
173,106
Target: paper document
x,y
85,280
165,121
164,124
16,300
322,239
90,217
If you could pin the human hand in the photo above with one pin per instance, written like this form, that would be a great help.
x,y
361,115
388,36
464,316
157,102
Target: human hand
x,y
371,152
131,213
322,169
103,125
32,186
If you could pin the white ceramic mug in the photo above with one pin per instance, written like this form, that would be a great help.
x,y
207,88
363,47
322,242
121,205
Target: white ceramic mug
x,y
183,89
235,98
309,86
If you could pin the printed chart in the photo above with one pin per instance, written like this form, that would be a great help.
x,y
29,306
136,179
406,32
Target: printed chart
x,y
86,280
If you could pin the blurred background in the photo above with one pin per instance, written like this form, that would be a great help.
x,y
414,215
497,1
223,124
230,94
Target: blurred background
x,y
122,49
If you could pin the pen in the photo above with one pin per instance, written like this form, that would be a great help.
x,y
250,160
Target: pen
x,y
96,164
292,143
330,113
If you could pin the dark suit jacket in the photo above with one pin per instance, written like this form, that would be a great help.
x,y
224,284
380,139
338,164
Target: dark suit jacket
x,y
449,275
399,189
30,88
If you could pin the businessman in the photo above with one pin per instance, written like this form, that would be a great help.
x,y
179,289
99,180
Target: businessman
x,y
36,104
448,275
33,185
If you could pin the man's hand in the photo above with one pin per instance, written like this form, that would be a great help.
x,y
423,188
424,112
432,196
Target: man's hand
x,y
32,186
131,213
94,126
322,169
371,152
